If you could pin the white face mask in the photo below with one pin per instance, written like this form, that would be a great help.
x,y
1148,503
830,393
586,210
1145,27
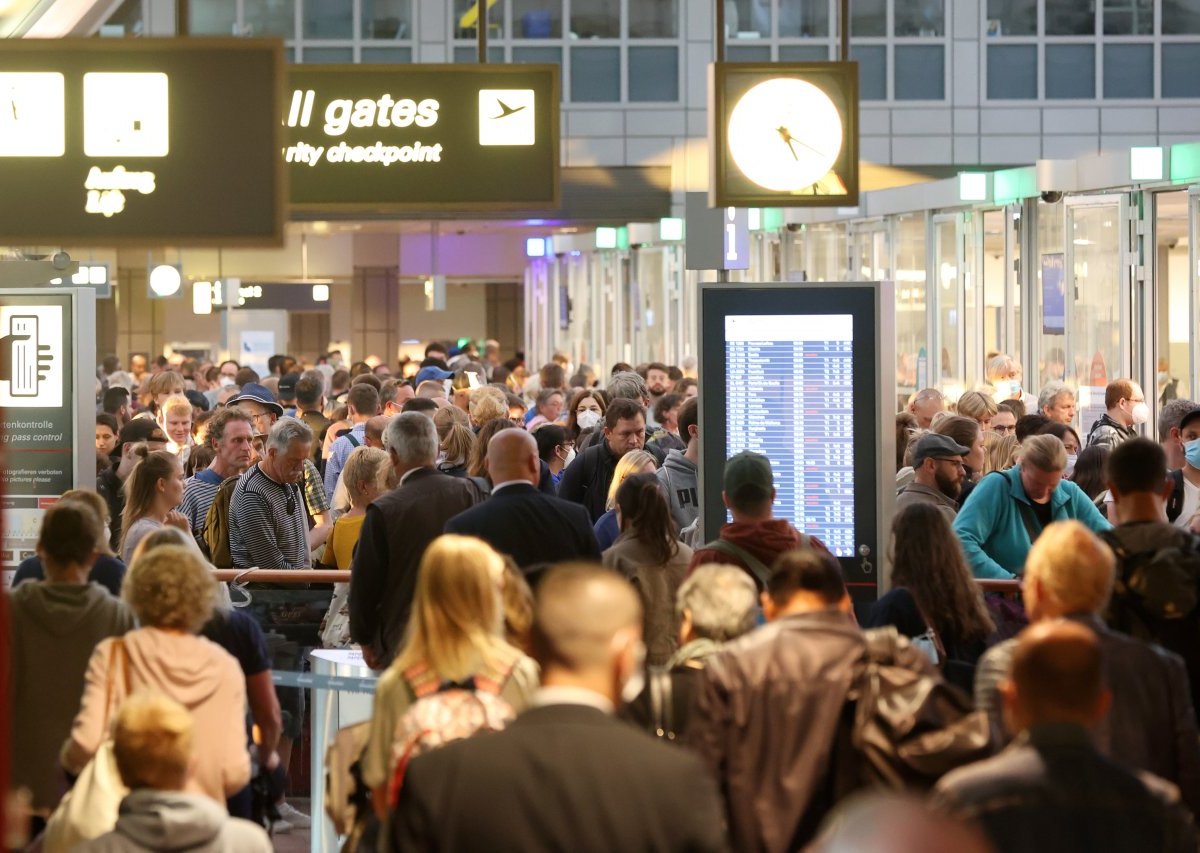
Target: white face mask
x,y
588,418
570,457
1008,390
1071,457
1140,413
225,381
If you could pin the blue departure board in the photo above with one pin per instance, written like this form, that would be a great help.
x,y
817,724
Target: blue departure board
x,y
790,396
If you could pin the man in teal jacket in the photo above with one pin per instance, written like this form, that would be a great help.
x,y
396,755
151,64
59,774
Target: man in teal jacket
x,y
1006,511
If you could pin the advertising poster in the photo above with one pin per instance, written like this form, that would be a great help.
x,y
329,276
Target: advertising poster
x,y
37,441
1054,300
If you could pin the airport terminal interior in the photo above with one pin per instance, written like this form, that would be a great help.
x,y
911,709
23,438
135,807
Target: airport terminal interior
x,y
892,306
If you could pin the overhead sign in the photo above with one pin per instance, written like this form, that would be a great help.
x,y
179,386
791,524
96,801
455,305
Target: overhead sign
x,y
422,137
47,399
716,238
783,134
141,142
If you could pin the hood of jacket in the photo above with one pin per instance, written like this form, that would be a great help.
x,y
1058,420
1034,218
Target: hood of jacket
x,y
183,661
59,609
169,820
766,540
680,464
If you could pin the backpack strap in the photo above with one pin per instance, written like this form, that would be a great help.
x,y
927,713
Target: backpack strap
x,y
1175,502
353,439
1027,518
662,709
756,566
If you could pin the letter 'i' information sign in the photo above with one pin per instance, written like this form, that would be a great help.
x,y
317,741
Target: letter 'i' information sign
x,y
422,137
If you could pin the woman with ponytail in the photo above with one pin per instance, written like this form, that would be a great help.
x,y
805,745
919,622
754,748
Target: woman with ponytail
x,y
650,555
153,490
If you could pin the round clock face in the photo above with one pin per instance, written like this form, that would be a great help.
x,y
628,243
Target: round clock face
x,y
784,134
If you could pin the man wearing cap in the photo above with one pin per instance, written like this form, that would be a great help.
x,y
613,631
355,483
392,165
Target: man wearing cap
x,y
937,474
1183,507
110,483
755,538
257,402
287,393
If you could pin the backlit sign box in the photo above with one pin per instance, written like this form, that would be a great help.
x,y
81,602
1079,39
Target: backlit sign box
x,y
141,142
422,137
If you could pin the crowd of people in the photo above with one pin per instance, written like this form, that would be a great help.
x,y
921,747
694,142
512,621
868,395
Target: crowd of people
x,y
567,660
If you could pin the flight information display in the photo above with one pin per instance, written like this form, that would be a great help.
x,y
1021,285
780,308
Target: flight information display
x,y
789,391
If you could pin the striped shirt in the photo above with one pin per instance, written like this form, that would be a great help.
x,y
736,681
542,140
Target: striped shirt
x,y
198,494
262,531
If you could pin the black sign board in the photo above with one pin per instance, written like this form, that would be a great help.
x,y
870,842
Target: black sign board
x,y
422,137
141,142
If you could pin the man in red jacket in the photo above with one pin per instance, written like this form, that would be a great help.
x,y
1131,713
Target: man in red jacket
x,y
755,538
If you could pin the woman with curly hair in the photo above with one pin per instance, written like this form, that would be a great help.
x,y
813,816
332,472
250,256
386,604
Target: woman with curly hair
x,y
171,592
932,590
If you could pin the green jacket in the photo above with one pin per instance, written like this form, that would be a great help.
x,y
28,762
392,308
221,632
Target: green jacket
x,y
992,530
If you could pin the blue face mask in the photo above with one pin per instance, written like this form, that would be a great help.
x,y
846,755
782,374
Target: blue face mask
x,y
1191,452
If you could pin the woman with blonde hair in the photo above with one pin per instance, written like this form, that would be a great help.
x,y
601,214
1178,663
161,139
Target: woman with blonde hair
x,y
607,527
172,593
455,439
455,633
979,407
365,476
1000,452
153,490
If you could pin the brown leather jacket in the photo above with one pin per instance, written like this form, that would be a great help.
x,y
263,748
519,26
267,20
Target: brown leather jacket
x,y
766,720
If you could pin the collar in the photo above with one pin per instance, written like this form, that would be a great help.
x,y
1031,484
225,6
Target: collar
x,y
572,696
921,488
410,472
508,483
1058,497
1055,734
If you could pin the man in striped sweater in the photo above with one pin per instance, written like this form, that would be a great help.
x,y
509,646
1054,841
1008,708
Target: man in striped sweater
x,y
230,432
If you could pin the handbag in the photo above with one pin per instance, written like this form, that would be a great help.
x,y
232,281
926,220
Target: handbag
x,y
90,808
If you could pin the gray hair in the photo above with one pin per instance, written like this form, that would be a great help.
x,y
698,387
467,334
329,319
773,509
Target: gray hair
x,y
413,438
628,385
1051,392
722,600
1171,416
287,430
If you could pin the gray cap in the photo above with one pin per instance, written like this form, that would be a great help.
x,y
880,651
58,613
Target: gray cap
x,y
936,446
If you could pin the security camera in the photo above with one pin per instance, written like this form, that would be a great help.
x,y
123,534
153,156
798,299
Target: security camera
x,y
1052,196
61,260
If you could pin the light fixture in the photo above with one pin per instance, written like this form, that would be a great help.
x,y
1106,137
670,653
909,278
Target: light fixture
x,y
972,186
670,228
202,297
754,219
320,292
165,280
1146,163
535,247
606,238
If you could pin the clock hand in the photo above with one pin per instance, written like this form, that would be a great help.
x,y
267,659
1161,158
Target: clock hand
x,y
789,139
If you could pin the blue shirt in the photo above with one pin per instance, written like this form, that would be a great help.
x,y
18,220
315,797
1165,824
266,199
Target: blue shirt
x,y
606,529
340,452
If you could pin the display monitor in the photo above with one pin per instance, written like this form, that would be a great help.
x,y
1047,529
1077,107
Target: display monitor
x,y
798,373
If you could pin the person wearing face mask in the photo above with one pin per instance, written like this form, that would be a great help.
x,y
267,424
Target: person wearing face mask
x,y
612,787
585,412
1126,408
554,449
1183,505
1008,510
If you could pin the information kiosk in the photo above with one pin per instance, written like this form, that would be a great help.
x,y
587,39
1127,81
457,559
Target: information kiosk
x,y
804,374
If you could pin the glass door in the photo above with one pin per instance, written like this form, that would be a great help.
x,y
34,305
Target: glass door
x,y
948,285
1171,330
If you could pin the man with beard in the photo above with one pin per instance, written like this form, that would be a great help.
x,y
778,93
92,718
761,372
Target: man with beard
x,y
938,474
658,382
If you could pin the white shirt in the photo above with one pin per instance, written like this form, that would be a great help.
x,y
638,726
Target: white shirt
x,y
508,483
1191,503
572,696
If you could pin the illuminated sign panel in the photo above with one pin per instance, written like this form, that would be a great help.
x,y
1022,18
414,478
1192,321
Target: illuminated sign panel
x,y
783,134
141,142
422,137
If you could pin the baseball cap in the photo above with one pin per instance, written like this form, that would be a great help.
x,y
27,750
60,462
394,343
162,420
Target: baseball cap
x,y
432,373
137,430
935,446
287,386
749,470
256,393
197,399
1192,415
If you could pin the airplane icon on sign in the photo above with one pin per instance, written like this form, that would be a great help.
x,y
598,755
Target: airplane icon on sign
x,y
506,110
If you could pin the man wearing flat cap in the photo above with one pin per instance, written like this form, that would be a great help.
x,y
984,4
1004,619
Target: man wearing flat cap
x,y
938,475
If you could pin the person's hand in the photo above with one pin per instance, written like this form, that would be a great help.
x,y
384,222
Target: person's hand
x,y
178,519
1194,523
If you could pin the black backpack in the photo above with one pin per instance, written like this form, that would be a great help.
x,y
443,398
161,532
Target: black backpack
x,y
1156,592
1175,502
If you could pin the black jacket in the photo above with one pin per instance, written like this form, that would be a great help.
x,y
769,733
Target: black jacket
x,y
1052,791
561,777
398,528
533,528
1151,725
586,480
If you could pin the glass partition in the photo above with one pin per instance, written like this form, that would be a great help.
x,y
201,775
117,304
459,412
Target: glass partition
x,y
994,284
1174,329
912,339
1050,274
948,301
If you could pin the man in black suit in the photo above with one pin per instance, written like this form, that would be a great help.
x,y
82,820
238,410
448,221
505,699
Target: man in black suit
x,y
398,528
566,774
533,528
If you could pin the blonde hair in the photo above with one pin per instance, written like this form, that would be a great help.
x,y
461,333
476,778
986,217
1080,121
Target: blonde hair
x,y
1074,568
1001,367
456,614
631,463
458,443
169,586
152,742
1000,452
364,465
98,505
176,404
977,406
167,382
142,486
487,404
1044,452
517,599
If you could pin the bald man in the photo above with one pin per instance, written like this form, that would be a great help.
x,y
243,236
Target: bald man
x,y
1051,789
566,775
535,529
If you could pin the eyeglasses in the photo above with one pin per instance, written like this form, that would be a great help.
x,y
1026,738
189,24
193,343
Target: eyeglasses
x,y
1004,430
953,460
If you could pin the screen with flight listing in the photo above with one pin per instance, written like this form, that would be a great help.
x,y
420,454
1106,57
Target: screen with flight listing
x,y
804,373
